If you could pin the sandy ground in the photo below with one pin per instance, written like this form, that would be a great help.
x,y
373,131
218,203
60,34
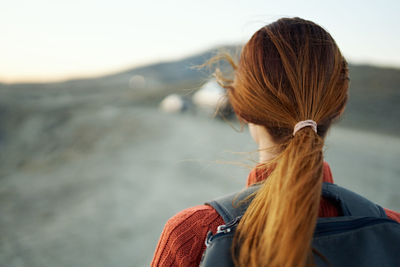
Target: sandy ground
x,y
102,199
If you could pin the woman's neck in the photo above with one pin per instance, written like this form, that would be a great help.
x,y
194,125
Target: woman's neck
x,y
264,141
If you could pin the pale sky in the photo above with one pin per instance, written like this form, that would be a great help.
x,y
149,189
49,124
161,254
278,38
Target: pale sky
x,y
43,40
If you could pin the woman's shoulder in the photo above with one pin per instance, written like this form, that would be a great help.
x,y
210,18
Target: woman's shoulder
x,y
395,216
182,240
203,213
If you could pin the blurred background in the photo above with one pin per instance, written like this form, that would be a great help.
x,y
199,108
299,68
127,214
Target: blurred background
x,y
107,129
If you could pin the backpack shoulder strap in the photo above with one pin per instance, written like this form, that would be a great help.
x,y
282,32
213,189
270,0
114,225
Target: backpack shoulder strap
x,y
351,204
232,205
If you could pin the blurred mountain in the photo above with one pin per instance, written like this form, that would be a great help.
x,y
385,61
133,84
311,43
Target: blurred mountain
x,y
141,85
374,99
373,104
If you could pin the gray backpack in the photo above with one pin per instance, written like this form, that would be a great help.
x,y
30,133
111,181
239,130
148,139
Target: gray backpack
x,y
363,236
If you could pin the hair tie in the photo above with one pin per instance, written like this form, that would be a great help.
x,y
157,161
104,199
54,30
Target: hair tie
x,y
302,124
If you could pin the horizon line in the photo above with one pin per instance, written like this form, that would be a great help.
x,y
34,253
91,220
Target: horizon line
x,y
98,74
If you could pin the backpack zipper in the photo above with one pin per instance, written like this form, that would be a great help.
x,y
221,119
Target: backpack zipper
x,y
221,230
325,228
226,228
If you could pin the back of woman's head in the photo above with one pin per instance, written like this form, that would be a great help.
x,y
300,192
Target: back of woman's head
x,y
289,71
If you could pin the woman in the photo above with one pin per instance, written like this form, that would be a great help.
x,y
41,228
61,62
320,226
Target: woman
x,y
289,86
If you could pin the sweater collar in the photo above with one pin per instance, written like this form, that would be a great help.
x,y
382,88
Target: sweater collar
x,y
258,175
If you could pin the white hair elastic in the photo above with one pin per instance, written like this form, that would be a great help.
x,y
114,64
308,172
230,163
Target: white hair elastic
x,y
302,124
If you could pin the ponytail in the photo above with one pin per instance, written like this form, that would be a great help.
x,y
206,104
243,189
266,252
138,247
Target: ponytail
x,y
278,226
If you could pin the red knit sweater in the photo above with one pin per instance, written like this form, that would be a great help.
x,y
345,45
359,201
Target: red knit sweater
x,y
182,240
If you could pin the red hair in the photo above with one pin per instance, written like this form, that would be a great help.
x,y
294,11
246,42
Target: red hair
x,y
290,70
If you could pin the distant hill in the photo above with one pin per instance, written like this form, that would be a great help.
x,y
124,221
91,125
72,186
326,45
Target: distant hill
x,y
374,102
161,79
374,99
